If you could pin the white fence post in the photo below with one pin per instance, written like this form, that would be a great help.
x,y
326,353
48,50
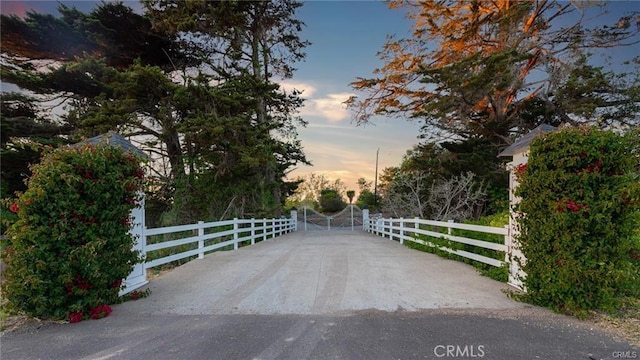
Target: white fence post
x,y
449,228
417,224
200,239
253,231
264,229
401,230
328,222
294,218
235,233
138,276
365,220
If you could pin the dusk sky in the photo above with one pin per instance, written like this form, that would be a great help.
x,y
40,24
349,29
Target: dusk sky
x,y
345,37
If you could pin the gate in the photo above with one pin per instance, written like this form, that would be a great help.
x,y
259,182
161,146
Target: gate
x,y
349,218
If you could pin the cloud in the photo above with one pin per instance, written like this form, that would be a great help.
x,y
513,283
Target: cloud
x,y
17,8
331,107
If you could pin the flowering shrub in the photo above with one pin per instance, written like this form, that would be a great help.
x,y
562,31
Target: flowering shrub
x,y
70,248
521,168
580,201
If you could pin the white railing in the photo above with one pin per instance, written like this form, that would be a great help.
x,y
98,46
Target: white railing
x,y
211,236
408,229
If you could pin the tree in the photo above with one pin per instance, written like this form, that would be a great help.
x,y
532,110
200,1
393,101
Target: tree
x,y
309,190
199,97
24,132
458,198
366,197
408,194
350,195
256,41
331,200
495,69
112,32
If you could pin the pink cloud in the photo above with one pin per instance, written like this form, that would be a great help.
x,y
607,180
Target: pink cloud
x,y
18,8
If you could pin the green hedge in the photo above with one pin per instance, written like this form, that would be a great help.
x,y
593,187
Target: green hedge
x,y
70,249
580,199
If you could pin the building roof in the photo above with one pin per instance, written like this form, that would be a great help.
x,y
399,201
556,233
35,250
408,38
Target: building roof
x,y
115,140
523,143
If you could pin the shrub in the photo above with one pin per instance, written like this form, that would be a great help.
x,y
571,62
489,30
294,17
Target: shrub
x,y
580,197
497,220
70,248
331,201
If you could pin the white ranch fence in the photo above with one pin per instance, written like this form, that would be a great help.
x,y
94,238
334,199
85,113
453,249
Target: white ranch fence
x,y
174,243
408,230
215,235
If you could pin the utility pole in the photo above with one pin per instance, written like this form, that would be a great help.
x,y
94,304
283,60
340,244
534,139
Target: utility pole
x,y
375,182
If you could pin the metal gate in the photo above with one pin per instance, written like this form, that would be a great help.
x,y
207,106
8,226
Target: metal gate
x,y
349,218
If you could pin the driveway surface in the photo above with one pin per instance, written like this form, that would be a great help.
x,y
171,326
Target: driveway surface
x,y
321,272
321,295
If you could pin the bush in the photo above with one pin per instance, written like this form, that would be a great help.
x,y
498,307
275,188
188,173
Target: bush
x,y
331,201
580,196
497,220
70,249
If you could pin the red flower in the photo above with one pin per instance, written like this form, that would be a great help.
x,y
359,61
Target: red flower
x,y
520,169
116,284
75,317
100,312
571,206
82,283
14,207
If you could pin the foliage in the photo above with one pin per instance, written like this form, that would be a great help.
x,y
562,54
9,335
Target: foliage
x,y
24,131
456,198
71,248
367,199
309,190
408,194
494,69
331,201
350,195
408,188
580,200
241,46
198,96
112,31
497,220
478,74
